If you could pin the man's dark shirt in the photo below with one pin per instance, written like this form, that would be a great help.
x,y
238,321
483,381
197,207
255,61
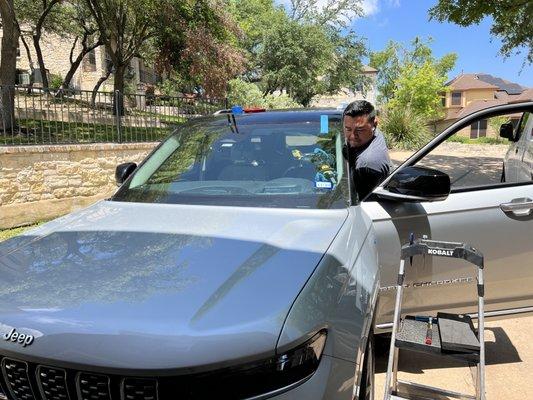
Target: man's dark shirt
x,y
370,164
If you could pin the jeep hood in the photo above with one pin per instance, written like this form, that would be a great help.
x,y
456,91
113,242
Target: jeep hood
x,y
158,286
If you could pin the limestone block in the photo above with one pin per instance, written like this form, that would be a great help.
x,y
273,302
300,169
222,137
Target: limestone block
x,y
56,182
46,166
63,193
39,187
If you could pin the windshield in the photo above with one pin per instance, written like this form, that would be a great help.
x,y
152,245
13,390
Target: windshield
x,y
247,161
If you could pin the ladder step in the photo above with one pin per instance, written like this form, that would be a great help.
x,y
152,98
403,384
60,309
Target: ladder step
x,y
420,391
412,336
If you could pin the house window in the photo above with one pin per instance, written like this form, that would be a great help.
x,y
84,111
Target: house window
x,y
456,98
478,129
89,61
443,100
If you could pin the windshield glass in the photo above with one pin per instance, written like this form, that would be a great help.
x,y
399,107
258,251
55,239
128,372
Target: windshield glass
x,y
247,161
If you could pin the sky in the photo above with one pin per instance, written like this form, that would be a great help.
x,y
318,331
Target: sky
x,y
477,50
403,20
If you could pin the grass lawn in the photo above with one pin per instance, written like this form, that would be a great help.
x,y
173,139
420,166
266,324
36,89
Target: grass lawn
x,y
9,233
481,140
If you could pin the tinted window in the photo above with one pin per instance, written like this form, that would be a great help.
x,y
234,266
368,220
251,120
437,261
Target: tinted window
x,y
269,163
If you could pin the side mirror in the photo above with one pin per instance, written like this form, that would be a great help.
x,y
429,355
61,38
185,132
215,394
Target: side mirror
x,y
507,131
123,171
416,184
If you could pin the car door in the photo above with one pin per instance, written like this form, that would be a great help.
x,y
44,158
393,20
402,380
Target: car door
x,y
495,218
525,165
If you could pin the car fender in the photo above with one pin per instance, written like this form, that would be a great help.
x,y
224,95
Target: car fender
x,y
340,296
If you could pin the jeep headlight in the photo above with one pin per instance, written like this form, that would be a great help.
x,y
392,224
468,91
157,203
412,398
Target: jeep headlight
x,y
249,380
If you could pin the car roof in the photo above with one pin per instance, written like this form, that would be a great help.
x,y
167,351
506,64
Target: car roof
x,y
267,117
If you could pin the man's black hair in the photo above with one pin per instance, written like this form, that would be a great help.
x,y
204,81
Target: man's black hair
x,y
360,107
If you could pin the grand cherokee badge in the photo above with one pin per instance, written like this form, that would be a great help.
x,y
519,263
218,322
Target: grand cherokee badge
x,y
21,338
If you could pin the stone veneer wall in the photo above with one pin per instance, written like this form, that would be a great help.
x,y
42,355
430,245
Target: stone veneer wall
x,y
43,182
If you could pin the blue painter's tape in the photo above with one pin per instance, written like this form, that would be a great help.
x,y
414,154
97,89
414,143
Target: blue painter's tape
x,y
324,128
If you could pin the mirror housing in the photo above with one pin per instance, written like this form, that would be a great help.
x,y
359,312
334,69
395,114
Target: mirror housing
x,y
123,172
507,131
416,184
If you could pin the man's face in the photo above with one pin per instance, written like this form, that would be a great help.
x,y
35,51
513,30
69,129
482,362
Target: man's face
x,y
358,130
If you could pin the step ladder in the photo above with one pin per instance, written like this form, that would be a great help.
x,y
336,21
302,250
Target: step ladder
x,y
447,335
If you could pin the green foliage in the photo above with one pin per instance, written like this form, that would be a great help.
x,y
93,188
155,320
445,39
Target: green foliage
x,y
412,77
419,88
55,81
255,17
293,57
496,122
482,140
279,102
337,14
511,20
245,94
404,128
248,94
198,41
458,139
12,232
387,62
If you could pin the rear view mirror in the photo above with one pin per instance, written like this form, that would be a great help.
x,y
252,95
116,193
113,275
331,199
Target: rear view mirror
x,y
123,171
507,131
416,184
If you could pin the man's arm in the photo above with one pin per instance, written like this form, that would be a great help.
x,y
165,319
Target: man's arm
x,y
366,179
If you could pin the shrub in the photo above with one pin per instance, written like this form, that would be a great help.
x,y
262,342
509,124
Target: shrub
x,y
55,81
280,102
245,94
404,128
458,139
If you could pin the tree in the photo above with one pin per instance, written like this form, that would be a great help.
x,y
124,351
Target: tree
x,y
419,87
41,16
188,37
85,32
8,61
511,20
412,76
124,26
336,14
294,57
198,42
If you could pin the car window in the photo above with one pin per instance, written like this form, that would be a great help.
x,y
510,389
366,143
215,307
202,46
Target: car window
x,y
230,162
476,156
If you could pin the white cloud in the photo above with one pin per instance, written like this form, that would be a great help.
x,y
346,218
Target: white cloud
x,y
394,3
370,7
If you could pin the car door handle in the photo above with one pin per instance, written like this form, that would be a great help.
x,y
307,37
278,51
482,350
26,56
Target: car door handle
x,y
521,207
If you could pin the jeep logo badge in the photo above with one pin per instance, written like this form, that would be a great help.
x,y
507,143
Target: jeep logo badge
x,y
20,338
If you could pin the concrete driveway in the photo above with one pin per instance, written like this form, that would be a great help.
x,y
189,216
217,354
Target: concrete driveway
x,y
509,361
466,164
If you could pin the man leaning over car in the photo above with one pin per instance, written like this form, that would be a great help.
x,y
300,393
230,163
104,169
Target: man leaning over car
x,y
365,148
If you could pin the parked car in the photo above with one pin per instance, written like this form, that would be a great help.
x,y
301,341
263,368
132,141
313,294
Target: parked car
x,y
518,163
236,262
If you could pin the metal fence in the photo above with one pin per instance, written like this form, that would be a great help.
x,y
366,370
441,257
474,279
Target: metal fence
x,y
77,116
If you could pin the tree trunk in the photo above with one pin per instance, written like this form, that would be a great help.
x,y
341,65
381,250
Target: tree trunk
x,y
118,89
40,60
8,66
75,65
97,87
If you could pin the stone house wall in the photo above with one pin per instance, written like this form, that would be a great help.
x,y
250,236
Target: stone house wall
x,y
56,54
43,182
